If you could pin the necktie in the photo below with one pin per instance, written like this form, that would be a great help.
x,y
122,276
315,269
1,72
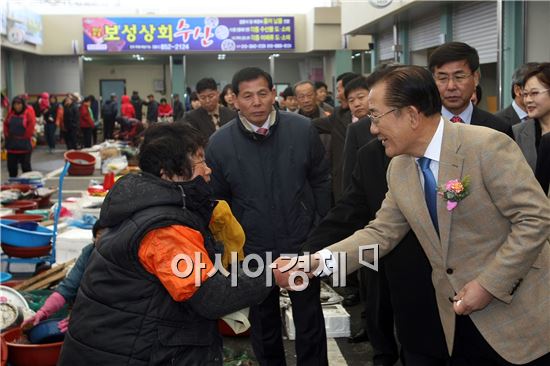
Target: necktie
x,y
215,120
430,189
262,131
457,119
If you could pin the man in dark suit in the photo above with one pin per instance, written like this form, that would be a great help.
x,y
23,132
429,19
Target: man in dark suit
x,y
357,135
542,171
335,126
373,287
455,67
515,112
177,108
211,115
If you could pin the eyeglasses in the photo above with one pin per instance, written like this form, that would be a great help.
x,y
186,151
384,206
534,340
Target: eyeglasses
x,y
376,119
443,79
204,98
533,94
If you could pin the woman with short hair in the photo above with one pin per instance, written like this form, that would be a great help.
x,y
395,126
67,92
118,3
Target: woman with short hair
x,y
151,294
536,97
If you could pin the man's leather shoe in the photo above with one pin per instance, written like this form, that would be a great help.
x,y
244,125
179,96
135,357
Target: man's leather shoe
x,y
359,337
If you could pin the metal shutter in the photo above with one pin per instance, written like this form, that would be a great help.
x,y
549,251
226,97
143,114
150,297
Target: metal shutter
x,y
424,32
385,44
475,23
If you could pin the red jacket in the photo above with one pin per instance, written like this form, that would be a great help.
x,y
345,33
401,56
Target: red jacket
x,y
86,120
165,110
126,108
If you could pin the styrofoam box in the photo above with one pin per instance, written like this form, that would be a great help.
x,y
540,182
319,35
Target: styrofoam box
x,y
69,243
337,322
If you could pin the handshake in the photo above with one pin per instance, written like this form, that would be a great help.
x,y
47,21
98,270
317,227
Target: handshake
x,y
294,273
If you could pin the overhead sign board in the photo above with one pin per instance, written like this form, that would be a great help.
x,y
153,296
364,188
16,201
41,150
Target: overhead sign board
x,y
193,34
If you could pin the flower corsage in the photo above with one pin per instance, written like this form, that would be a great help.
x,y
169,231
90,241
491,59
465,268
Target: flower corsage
x,y
455,191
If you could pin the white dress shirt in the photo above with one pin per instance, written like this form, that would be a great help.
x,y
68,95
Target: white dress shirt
x,y
267,124
520,112
433,152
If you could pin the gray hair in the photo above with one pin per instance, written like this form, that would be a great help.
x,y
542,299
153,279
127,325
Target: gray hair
x,y
303,82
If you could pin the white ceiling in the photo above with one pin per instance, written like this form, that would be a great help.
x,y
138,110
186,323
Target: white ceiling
x,y
170,7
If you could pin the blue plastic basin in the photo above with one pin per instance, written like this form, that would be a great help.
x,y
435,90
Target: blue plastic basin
x,y
46,331
5,277
24,238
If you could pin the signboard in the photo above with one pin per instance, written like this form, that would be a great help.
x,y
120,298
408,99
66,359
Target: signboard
x,y
21,25
3,18
191,34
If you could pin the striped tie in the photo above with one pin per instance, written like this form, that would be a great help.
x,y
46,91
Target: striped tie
x,y
457,119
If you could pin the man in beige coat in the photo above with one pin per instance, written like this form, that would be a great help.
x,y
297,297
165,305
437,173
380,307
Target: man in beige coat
x,y
490,253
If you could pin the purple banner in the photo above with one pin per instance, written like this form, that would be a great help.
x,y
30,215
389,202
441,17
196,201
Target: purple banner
x,y
188,34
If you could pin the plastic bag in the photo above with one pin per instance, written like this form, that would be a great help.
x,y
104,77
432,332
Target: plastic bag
x,y
114,165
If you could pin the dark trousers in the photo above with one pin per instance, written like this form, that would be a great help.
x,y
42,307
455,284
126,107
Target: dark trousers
x,y
471,349
266,326
87,136
15,159
70,139
94,136
379,315
108,128
50,134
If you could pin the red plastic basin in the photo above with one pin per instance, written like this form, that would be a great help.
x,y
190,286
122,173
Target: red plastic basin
x,y
21,205
30,354
26,252
81,163
42,202
17,186
24,217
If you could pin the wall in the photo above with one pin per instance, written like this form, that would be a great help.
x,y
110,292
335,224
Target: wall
x,y
199,67
317,30
138,76
537,31
419,58
488,84
323,29
16,60
286,70
3,70
355,14
329,69
53,74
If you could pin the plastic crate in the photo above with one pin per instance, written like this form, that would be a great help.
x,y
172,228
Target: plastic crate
x,y
337,322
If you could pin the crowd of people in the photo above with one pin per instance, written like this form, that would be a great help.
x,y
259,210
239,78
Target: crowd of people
x,y
454,197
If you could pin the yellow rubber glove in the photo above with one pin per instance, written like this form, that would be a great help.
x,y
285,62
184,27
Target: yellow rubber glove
x,y
225,228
